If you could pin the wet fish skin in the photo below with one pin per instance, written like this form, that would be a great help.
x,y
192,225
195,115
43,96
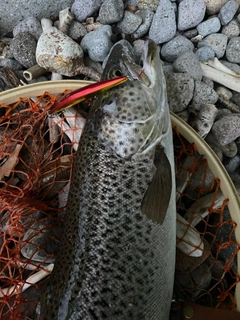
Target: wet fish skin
x,y
115,262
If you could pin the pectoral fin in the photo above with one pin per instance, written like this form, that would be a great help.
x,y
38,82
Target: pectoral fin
x,y
156,199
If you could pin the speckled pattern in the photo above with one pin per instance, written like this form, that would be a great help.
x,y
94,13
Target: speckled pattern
x,y
114,263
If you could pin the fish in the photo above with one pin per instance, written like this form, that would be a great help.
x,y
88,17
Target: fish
x,y
117,254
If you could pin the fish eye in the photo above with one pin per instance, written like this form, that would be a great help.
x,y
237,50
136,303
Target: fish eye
x,y
116,73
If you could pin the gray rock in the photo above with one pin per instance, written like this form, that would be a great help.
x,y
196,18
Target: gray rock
x,y
224,92
209,26
208,82
174,48
189,63
184,115
12,63
180,87
148,4
211,141
82,9
111,11
204,94
190,13
76,30
147,17
30,25
163,26
138,46
56,52
227,129
222,113
205,53
236,98
214,6
233,50
13,13
232,66
230,149
41,241
217,41
23,48
130,22
231,29
190,33
97,43
228,11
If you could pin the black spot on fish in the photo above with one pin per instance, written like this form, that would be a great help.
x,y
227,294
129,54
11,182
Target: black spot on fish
x,y
131,93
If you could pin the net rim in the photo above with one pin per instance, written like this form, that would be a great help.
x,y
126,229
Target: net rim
x,y
227,187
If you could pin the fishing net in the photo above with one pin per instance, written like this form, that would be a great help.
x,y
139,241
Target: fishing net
x,y
36,155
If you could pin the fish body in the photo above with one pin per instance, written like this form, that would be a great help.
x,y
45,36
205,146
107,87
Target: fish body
x,y
116,260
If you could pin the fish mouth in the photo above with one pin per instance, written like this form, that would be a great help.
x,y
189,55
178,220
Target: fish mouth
x,y
145,71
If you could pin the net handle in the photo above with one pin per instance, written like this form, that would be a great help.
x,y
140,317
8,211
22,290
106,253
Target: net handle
x,y
215,165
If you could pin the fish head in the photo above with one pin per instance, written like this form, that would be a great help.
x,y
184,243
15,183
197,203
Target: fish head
x,y
135,114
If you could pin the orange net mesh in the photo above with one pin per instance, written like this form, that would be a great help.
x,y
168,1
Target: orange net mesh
x,y
36,153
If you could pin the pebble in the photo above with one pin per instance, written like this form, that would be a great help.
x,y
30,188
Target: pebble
x,y
138,46
97,43
217,41
228,11
23,48
30,25
205,53
233,50
180,87
171,50
148,4
208,82
163,26
230,149
130,22
214,6
232,66
190,13
190,33
227,129
210,139
188,63
231,29
222,113
203,94
236,98
209,26
111,11
232,164
76,30
82,9
147,17
56,52
12,63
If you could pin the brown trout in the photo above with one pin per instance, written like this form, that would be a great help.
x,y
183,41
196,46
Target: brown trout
x,y
117,254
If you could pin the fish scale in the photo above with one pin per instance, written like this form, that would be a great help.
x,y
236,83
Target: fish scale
x,y
114,262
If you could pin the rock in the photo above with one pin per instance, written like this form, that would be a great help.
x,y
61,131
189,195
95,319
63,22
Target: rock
x,y
217,41
23,48
230,149
209,26
205,53
227,129
82,9
148,4
214,6
30,25
211,141
56,52
190,33
41,241
174,48
97,43
236,98
208,82
225,92
12,63
163,26
111,11
222,113
190,13
204,94
13,13
130,22
232,66
138,46
231,29
147,17
180,87
76,30
233,50
228,11
189,63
